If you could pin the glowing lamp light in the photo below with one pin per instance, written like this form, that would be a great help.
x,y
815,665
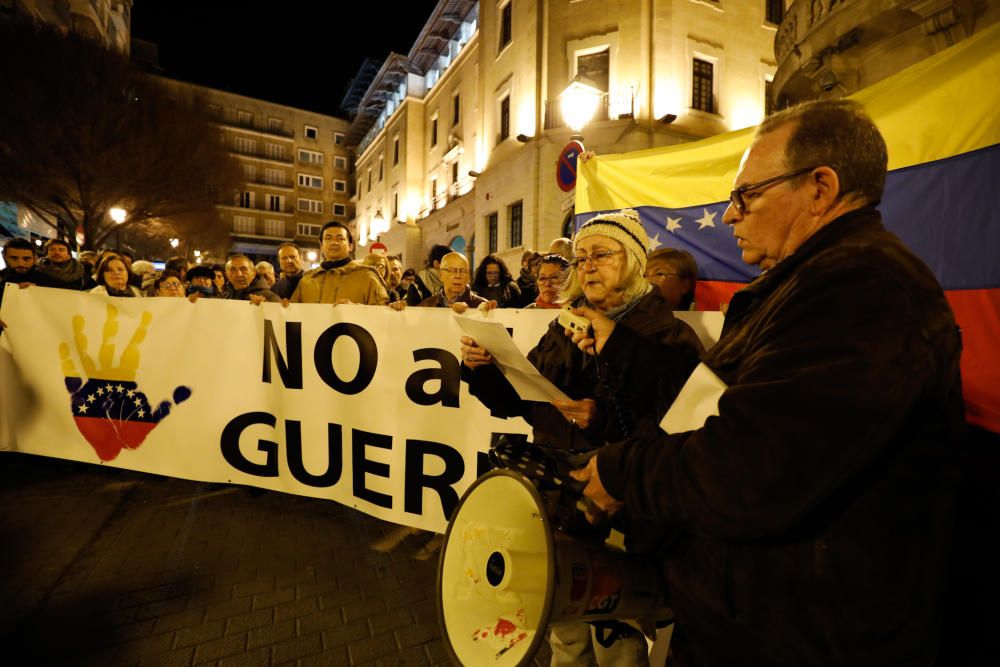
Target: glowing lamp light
x,y
579,102
174,243
379,225
118,215
311,255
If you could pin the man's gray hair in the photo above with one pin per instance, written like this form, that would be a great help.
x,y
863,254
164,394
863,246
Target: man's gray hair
x,y
838,134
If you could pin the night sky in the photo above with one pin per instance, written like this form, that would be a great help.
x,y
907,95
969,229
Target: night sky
x,y
298,53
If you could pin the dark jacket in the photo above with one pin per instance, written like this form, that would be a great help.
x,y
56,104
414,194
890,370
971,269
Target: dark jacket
x,y
69,275
631,397
285,286
819,500
258,286
439,300
507,295
528,286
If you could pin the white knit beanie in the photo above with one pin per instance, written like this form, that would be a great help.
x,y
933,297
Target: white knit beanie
x,y
622,226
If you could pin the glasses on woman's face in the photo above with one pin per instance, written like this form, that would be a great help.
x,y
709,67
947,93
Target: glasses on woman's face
x,y
602,258
171,285
549,279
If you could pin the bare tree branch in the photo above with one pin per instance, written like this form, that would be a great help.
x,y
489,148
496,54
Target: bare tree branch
x,y
89,132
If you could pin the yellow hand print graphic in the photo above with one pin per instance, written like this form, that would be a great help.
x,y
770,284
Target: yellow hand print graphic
x,y
108,407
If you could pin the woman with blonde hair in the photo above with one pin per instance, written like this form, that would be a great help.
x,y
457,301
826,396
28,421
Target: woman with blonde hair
x,y
381,265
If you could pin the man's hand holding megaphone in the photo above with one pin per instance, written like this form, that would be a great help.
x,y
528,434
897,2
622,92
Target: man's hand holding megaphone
x,y
602,504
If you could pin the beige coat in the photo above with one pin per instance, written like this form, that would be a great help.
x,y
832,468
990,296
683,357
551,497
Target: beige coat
x,y
353,281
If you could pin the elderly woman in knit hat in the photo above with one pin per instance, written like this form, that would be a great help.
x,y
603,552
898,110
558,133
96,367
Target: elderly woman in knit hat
x,y
610,399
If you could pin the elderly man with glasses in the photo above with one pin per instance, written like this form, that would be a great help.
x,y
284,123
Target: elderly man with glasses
x,y
455,292
817,503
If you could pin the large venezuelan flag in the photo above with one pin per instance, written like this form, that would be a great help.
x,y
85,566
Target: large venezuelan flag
x,y
941,122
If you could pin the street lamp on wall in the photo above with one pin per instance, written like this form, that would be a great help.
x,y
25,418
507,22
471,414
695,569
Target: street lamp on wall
x,y
378,226
578,103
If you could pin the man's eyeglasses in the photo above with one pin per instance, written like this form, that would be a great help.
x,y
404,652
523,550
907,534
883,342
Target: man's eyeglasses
x,y
457,272
602,258
736,196
660,276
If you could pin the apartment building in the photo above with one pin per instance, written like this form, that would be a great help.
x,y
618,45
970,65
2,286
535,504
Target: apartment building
x,y
475,110
297,171
831,48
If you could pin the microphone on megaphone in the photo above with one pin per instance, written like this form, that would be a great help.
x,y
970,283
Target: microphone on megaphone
x,y
505,575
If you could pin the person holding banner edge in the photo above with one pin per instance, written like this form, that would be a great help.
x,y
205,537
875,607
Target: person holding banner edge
x,y
608,401
819,500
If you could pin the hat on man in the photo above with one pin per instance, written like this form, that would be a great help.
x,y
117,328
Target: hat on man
x,y
379,248
622,226
199,271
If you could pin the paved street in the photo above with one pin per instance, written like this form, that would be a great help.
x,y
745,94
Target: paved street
x,y
108,567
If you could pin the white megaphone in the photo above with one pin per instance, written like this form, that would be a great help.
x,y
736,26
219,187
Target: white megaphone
x,y
505,576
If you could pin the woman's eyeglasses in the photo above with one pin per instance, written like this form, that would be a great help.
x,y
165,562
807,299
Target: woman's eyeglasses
x,y
602,258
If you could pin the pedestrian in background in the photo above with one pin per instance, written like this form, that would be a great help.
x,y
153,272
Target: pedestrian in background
x,y
494,282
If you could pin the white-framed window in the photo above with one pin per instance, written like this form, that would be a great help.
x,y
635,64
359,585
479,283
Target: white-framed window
x,y
340,162
369,179
395,150
310,205
243,224
395,204
339,186
245,199
310,157
244,144
456,109
307,229
310,181
338,138
310,132
214,111
276,203
381,168
434,130
339,210
274,151
274,227
275,177
275,124
250,172
244,118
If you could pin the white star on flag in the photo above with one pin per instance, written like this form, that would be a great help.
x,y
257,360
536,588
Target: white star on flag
x,y
707,220
673,224
83,408
654,243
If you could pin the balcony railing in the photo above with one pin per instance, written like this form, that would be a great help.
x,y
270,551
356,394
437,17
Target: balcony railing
x,y
261,155
231,119
258,207
287,185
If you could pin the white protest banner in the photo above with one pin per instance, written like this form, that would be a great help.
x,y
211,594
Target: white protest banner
x,y
361,405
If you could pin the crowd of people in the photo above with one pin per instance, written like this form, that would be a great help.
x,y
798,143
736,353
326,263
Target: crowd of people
x,y
808,521
376,279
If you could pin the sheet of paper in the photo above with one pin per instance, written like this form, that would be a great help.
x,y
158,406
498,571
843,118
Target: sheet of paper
x,y
698,400
529,384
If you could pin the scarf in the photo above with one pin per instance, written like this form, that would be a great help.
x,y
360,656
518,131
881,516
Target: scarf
x,y
335,263
431,279
69,271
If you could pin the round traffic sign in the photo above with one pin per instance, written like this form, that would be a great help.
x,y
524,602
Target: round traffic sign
x,y
566,166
